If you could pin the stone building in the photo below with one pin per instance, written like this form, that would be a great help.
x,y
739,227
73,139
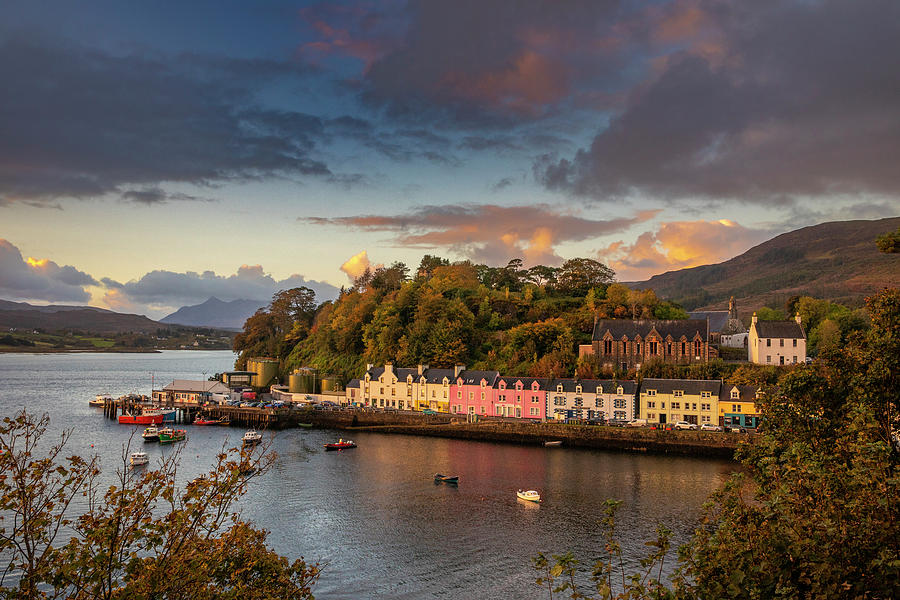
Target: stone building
x,y
624,344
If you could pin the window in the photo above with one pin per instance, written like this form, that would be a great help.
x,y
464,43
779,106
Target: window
x,y
471,396
559,388
705,418
768,358
445,394
619,414
704,406
795,342
662,405
669,348
459,394
598,403
578,402
482,396
382,391
705,395
483,411
651,405
676,405
736,408
795,359
619,390
518,412
499,410
471,410
678,393
768,342
637,348
697,348
650,393
735,394
651,416
683,348
619,403
577,389
533,411
518,397
781,342
559,401
381,379
653,347
693,406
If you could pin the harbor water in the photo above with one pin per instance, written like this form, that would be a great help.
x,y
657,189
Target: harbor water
x,y
373,515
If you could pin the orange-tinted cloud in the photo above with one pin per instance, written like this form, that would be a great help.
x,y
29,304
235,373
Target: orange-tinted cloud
x,y
488,233
356,265
679,245
40,278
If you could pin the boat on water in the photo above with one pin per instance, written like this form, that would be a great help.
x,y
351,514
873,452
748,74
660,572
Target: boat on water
x,y
138,459
226,420
439,478
529,495
167,435
552,444
147,417
201,420
251,438
151,434
101,400
341,444
305,425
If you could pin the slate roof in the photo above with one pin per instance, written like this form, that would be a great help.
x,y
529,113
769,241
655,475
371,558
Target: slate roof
x,y
437,375
590,385
676,328
689,386
526,382
188,385
718,319
747,392
354,383
475,377
780,329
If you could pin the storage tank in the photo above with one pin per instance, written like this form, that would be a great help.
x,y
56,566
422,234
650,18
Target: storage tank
x,y
251,366
302,381
330,383
266,371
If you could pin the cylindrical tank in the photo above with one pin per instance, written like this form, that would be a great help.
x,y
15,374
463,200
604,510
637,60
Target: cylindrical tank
x,y
302,382
266,371
330,383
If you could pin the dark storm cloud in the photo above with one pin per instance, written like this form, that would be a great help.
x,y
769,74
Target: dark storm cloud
x,y
40,279
77,122
155,195
789,99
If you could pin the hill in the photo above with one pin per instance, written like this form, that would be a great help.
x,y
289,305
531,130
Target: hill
x,y
836,261
21,315
215,313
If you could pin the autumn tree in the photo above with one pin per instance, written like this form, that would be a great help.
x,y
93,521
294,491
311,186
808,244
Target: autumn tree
x,y
578,275
889,242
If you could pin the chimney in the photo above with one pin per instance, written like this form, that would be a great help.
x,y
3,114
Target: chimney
x,y
798,319
388,367
422,369
457,370
369,366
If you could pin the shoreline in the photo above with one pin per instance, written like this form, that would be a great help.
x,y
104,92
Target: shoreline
x,y
120,350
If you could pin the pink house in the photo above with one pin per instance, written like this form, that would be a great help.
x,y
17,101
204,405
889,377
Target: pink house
x,y
522,397
473,393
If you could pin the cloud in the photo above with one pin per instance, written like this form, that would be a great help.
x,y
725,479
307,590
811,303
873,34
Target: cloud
x,y
81,123
489,233
356,265
757,101
40,279
156,195
162,290
679,245
501,184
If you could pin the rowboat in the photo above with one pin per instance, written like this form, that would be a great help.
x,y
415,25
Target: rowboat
x,y
553,443
305,425
169,435
151,434
251,438
138,458
341,444
528,495
439,478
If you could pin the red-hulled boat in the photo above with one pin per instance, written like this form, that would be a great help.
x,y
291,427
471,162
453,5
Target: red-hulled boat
x,y
148,417
204,421
341,444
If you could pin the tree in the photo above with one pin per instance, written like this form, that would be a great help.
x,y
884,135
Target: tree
x,y
889,242
578,275
428,264
541,275
143,537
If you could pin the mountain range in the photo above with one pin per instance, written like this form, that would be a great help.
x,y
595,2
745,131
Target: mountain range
x,y
21,315
215,313
837,261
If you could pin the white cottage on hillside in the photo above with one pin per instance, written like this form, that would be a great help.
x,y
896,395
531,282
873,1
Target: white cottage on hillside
x,y
777,342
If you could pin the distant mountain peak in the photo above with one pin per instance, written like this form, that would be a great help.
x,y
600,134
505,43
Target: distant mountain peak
x,y
214,312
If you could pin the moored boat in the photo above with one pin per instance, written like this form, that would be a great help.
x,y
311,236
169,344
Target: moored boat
x,y
305,425
251,438
138,458
439,478
100,400
151,434
341,444
553,443
529,495
223,420
148,417
168,435
200,420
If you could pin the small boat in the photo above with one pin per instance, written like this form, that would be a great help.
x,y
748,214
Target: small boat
x,y
138,459
168,435
529,495
100,400
200,420
553,443
341,444
251,438
223,420
439,478
148,417
305,425
151,434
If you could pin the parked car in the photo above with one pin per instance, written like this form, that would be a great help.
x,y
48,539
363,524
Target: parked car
x,y
617,422
429,411
636,423
684,425
735,429
710,427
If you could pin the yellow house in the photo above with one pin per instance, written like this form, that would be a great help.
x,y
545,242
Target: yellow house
x,y
670,400
434,388
737,406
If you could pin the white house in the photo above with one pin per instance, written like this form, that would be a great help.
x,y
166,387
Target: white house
x,y
591,399
777,342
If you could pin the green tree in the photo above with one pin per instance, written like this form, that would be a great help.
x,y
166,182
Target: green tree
x,y
144,537
889,242
578,275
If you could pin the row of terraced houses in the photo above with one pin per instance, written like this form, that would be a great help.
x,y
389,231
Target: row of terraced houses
x,y
473,393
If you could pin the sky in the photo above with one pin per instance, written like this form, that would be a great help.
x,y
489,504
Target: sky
x,y
155,154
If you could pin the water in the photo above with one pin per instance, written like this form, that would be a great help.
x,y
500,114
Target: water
x,y
373,515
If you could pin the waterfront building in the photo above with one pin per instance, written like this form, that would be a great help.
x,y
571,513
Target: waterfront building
x,y
624,344
352,393
591,400
777,342
737,406
473,393
669,400
521,397
186,391
387,387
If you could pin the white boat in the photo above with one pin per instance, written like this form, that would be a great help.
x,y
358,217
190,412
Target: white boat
x,y
100,400
138,458
529,495
251,437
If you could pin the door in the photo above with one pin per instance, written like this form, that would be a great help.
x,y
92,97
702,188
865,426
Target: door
x,y
662,418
